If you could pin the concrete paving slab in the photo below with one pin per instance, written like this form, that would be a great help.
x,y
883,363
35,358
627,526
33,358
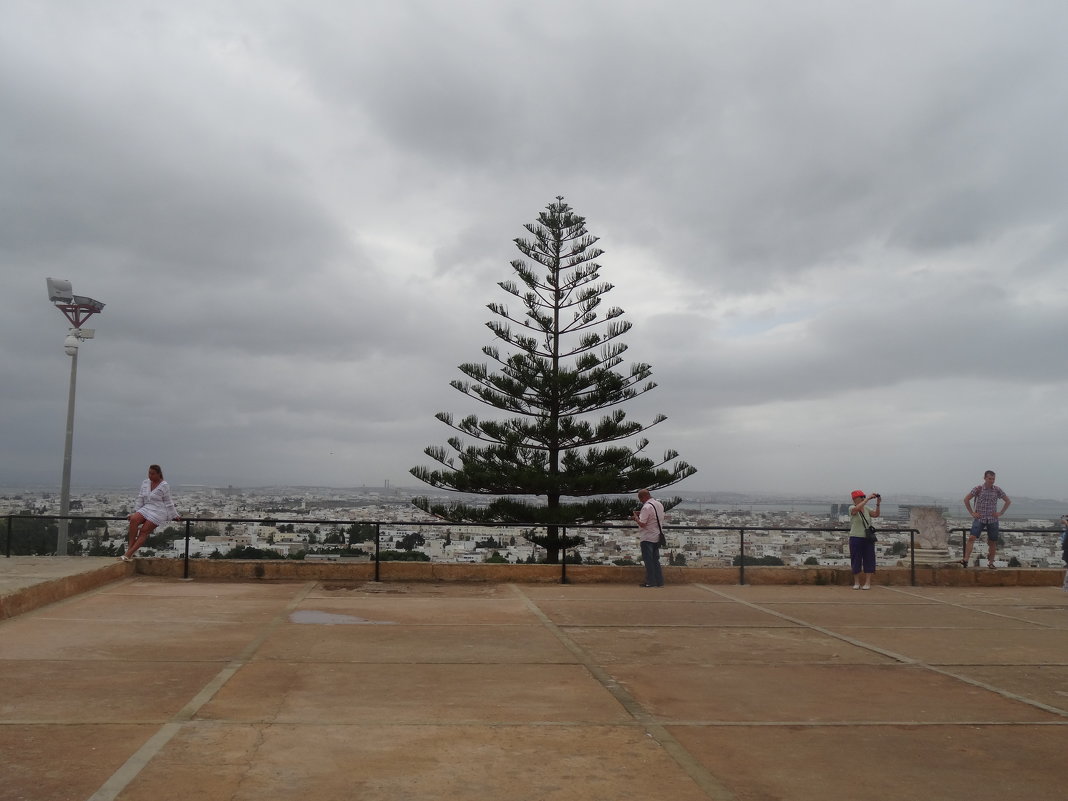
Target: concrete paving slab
x,y
816,694
1045,684
724,646
930,615
126,608
772,593
63,762
987,596
970,646
1052,616
884,762
610,592
413,763
79,692
554,710
397,643
458,612
421,590
292,692
656,613
88,638
259,591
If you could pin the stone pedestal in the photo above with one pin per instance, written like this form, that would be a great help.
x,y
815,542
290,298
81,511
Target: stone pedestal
x,y
932,537
932,557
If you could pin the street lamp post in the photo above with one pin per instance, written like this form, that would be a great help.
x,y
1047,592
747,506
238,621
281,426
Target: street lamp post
x,y
77,309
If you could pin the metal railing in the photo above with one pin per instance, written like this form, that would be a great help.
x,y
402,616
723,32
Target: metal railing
x,y
741,555
966,530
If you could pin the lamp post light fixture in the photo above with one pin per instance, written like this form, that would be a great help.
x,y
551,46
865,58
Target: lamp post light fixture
x,y
77,309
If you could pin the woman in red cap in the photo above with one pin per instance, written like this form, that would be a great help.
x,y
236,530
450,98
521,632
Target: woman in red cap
x,y
861,548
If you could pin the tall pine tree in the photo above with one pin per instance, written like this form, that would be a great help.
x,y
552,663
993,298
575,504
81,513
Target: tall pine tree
x,y
560,385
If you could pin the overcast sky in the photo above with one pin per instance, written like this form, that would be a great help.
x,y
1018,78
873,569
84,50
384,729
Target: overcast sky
x,y
840,230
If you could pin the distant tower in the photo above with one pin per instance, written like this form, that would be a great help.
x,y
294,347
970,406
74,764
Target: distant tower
x,y
387,485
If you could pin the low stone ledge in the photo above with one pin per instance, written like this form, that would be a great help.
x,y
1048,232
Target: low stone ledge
x,y
35,596
32,597
299,570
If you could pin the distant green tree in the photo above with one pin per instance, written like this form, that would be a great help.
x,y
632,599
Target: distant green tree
x,y
812,560
678,559
1014,562
559,377
100,548
495,558
361,532
163,539
624,562
757,560
403,556
410,542
33,536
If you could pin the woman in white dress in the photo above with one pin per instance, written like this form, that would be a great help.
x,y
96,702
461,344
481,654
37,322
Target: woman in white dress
x,y
154,507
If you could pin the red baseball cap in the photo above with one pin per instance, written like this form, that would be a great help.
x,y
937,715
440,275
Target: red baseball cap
x,y
857,494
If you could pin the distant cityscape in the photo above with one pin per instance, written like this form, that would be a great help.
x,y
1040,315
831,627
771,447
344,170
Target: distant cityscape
x,y
324,523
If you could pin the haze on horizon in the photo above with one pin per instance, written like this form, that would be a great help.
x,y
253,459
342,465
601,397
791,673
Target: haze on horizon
x,y
838,229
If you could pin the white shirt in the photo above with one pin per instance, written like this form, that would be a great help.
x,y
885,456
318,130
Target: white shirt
x,y
647,520
156,504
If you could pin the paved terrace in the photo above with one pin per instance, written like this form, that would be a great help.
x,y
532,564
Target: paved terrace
x,y
147,688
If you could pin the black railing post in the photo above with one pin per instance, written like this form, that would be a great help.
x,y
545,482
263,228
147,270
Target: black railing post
x,y
7,547
741,556
912,554
378,546
563,556
185,567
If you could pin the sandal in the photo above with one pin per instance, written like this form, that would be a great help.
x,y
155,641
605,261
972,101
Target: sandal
x,y
991,565
963,562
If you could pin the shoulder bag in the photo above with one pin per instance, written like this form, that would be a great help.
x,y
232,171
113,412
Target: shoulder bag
x,y
663,541
869,529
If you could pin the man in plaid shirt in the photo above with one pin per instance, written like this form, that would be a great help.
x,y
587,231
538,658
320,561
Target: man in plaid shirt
x,y
985,514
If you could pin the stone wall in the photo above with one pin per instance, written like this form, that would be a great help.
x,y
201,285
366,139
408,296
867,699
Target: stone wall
x,y
297,570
